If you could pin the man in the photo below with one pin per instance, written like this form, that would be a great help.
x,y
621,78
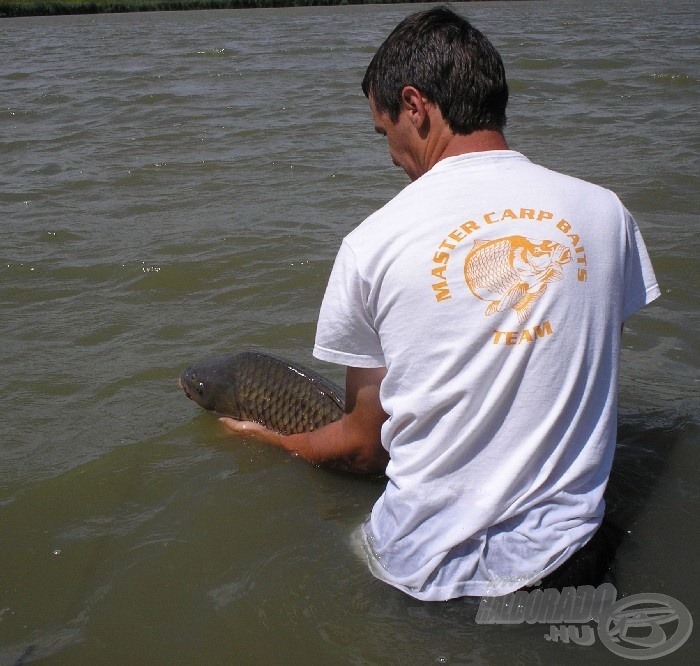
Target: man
x,y
479,316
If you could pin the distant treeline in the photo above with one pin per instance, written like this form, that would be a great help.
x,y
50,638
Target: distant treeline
x,y
10,8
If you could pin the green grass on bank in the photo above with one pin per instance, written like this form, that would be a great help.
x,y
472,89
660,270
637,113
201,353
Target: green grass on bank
x,y
10,8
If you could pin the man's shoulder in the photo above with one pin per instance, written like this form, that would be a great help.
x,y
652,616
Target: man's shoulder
x,y
583,181
487,178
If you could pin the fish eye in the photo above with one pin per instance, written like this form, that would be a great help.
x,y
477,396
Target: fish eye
x,y
200,388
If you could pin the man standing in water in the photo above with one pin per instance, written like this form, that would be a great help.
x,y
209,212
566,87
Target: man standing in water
x,y
479,316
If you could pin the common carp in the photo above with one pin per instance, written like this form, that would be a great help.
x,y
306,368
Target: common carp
x,y
514,272
252,386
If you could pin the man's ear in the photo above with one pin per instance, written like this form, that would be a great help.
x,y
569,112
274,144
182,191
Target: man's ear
x,y
414,102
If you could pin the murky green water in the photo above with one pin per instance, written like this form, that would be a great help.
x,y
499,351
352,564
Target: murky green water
x,y
176,185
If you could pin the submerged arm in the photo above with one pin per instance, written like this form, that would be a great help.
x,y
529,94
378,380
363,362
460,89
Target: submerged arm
x,y
351,444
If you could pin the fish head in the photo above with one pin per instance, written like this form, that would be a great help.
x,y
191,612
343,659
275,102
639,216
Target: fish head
x,y
195,388
211,384
560,254
541,255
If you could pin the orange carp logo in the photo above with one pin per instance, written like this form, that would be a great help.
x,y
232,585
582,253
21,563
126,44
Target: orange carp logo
x,y
513,272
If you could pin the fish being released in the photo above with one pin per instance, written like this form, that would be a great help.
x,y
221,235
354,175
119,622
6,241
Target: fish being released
x,y
514,272
252,386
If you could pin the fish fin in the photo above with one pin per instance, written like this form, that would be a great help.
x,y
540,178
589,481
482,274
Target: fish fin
x,y
493,308
524,307
553,275
513,296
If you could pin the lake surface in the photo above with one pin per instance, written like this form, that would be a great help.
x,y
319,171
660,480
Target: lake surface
x,y
175,185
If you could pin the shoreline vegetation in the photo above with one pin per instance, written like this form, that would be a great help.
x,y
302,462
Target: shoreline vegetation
x,y
18,8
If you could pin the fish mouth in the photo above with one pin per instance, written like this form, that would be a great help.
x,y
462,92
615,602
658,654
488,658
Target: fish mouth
x,y
183,386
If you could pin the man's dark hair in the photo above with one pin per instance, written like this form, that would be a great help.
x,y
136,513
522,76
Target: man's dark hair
x,y
453,64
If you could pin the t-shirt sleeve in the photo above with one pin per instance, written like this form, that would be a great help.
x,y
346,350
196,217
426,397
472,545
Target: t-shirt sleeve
x,y
641,286
345,333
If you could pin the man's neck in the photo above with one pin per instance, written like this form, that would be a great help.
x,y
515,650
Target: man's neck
x,y
476,142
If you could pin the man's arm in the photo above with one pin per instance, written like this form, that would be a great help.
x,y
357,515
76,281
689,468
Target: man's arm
x,y
351,444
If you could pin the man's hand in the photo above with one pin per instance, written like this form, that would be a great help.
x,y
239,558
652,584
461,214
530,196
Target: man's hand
x,y
252,430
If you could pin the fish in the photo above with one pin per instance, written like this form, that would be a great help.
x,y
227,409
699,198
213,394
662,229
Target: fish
x,y
513,272
255,386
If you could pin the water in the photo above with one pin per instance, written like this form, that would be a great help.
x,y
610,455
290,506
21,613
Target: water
x,y
176,185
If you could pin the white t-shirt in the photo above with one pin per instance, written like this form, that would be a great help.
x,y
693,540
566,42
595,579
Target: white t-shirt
x,y
493,290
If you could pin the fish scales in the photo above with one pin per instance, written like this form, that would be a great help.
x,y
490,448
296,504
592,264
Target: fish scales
x,y
490,268
254,386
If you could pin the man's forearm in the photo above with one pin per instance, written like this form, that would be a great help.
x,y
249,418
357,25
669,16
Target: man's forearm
x,y
336,445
